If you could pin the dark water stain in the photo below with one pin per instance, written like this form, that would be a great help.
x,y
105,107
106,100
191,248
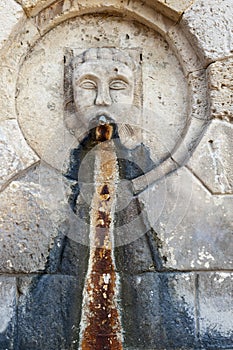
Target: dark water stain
x,y
49,309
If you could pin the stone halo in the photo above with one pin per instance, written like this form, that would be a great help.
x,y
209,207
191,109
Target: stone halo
x,y
193,69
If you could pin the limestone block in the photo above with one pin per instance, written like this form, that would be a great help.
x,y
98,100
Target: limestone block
x,y
208,24
34,6
49,312
171,8
7,91
7,312
220,79
68,257
215,299
188,57
32,212
158,309
212,160
10,14
162,97
134,257
11,57
58,11
198,95
20,42
194,227
15,154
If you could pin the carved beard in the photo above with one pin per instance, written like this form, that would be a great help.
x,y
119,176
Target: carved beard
x,y
130,136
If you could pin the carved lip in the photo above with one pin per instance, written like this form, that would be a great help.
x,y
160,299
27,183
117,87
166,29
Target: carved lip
x,y
103,119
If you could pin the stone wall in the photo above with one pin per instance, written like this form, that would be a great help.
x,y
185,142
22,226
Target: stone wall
x,y
176,280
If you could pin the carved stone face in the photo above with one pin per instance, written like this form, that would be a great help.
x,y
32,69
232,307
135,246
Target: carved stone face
x,y
102,86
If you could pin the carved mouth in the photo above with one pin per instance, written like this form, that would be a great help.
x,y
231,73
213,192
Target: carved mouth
x,y
101,119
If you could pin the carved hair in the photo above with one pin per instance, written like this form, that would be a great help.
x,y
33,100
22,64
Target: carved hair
x,y
104,53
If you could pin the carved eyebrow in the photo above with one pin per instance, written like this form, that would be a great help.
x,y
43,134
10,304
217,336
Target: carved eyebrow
x,y
90,77
121,77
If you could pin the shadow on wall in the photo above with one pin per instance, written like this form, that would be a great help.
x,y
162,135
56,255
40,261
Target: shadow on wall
x,y
49,308
154,316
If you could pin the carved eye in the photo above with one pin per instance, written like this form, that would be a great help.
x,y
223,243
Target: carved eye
x,y
118,85
88,85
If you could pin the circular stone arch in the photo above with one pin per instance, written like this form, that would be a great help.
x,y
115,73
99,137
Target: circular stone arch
x,y
51,15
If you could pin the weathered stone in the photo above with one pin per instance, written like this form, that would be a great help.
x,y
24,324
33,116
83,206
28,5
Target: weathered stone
x,y
198,95
8,296
65,9
19,43
11,12
158,311
135,257
11,57
194,227
208,25
215,313
160,133
220,79
15,154
171,8
32,7
68,257
40,84
37,213
7,91
49,312
212,160
184,50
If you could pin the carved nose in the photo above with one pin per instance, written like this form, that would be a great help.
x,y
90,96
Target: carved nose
x,y
103,97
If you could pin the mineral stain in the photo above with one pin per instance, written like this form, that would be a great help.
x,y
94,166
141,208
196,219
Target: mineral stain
x,y
100,322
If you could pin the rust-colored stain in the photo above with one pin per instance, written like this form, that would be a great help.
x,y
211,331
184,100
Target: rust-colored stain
x,y
100,323
104,132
